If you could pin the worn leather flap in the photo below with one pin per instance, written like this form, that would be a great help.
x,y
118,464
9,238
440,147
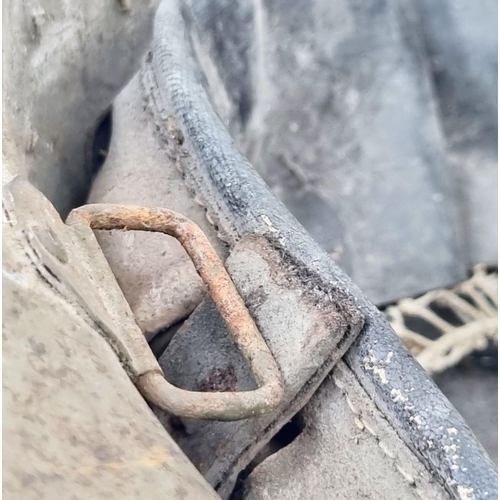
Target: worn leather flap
x,y
307,328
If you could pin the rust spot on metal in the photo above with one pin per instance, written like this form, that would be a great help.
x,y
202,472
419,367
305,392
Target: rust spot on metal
x,y
220,380
153,386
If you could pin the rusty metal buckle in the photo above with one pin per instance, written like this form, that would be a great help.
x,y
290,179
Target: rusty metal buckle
x,y
152,385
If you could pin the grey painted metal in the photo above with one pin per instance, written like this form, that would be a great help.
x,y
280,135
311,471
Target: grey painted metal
x,y
64,62
74,424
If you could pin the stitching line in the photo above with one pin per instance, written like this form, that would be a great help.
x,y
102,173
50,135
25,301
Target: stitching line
x,y
362,425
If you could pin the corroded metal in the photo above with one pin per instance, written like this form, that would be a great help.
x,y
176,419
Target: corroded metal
x,y
154,387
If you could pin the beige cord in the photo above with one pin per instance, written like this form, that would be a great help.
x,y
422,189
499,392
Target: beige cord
x,y
475,303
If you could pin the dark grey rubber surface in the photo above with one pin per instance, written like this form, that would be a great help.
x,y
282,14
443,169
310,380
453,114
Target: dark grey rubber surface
x,y
374,122
473,390
240,204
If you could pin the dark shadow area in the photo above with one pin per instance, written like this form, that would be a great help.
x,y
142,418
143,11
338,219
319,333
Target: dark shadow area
x,y
162,338
101,142
284,437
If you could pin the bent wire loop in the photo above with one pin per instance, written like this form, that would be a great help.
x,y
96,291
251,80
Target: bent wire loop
x,y
152,385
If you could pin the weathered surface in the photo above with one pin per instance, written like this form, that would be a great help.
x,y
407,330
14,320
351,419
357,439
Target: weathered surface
x,y
356,151
63,64
360,457
462,43
244,333
240,204
473,391
332,103
154,272
69,259
74,425
307,330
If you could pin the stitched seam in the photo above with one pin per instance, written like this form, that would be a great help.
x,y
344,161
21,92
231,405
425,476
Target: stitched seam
x,y
285,414
150,98
362,425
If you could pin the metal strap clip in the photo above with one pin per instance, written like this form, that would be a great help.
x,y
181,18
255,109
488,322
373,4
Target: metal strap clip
x,y
153,386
